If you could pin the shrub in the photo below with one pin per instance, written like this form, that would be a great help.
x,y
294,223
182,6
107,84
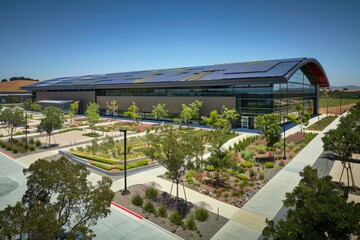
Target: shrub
x,y
8,147
242,176
281,163
135,164
31,148
269,165
246,164
37,143
261,149
94,135
162,212
15,150
31,141
102,165
201,214
230,171
190,223
137,200
149,207
209,168
247,155
18,133
189,178
175,218
151,193
94,158
261,176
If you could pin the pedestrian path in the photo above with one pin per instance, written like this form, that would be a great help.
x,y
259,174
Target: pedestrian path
x,y
249,221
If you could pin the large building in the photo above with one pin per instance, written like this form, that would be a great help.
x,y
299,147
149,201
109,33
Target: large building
x,y
252,88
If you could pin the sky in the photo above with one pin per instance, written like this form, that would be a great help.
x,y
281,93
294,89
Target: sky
x,y
49,39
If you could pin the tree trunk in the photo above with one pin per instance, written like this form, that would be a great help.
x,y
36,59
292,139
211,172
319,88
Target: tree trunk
x,y
177,190
49,138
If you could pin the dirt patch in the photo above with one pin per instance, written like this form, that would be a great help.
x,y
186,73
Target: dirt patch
x,y
335,110
205,230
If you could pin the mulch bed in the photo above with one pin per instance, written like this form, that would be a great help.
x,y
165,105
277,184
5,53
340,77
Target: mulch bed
x,y
206,230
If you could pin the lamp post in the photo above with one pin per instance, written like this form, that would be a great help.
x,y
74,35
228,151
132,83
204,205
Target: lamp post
x,y
26,132
125,191
284,140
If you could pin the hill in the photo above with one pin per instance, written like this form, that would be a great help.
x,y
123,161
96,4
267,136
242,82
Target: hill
x,y
14,86
349,87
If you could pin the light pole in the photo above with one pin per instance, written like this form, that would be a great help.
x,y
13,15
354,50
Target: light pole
x,y
284,139
125,191
26,132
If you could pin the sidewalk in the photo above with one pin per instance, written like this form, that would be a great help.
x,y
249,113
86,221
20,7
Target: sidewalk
x,y
249,221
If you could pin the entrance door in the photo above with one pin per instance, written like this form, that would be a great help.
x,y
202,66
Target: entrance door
x,y
251,122
244,122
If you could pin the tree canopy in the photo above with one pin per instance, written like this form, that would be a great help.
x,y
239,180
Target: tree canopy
x,y
59,203
302,117
269,126
317,210
74,108
112,107
53,120
13,118
191,111
92,114
159,111
132,112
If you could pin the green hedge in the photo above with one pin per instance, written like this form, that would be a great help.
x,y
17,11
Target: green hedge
x,y
101,165
94,158
135,164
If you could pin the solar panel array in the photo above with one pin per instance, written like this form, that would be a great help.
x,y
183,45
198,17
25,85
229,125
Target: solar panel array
x,y
245,70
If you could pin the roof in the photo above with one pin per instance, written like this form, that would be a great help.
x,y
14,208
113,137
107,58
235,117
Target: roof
x,y
259,72
15,86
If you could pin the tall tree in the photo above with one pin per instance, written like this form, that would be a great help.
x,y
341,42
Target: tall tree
x,y
92,114
27,104
159,111
195,106
214,120
113,107
58,198
172,151
74,108
132,112
13,118
186,113
53,120
230,114
269,126
317,210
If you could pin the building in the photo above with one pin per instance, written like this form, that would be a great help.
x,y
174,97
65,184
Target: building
x,y
10,91
252,88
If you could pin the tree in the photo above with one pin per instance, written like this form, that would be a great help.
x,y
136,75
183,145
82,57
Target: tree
x,y
12,99
36,107
53,120
195,106
302,117
190,111
4,80
113,107
13,118
220,158
159,111
27,104
230,114
197,145
74,108
59,203
92,114
132,112
317,210
172,151
269,126
213,120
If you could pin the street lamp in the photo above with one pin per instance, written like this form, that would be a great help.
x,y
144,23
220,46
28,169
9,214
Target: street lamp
x,y
284,140
125,191
26,132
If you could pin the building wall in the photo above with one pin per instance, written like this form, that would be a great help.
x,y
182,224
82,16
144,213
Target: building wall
x,y
173,104
84,97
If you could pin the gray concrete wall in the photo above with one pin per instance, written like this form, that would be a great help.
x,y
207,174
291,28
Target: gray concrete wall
x,y
84,97
173,104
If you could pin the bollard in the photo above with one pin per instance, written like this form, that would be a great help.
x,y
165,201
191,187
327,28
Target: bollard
x,y
217,217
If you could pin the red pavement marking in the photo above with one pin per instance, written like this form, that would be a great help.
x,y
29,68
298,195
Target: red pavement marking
x,y
7,154
127,210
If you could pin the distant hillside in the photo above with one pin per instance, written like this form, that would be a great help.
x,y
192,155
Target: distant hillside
x,y
14,86
348,87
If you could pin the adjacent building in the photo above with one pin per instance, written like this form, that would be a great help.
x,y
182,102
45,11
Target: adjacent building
x,y
252,88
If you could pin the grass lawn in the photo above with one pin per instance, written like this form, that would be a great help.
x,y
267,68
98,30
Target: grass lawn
x,y
335,102
323,123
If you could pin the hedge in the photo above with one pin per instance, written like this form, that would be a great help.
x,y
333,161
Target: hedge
x,y
101,165
95,158
135,164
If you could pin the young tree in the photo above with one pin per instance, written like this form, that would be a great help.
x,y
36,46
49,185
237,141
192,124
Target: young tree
x,y
220,158
58,198
92,114
213,120
159,111
132,112
317,210
230,114
36,107
172,151
302,118
13,118
27,104
113,107
53,120
269,126
74,108
195,106
186,113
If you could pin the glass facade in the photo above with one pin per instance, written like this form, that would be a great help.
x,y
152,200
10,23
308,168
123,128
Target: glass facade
x,y
251,100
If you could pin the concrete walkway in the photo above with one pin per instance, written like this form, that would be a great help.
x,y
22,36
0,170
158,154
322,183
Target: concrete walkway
x,y
249,221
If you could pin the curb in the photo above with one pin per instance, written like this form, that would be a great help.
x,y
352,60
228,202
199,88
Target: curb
x,y
127,210
8,154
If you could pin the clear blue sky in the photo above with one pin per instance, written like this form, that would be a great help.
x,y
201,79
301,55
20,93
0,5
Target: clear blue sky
x,y
48,39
